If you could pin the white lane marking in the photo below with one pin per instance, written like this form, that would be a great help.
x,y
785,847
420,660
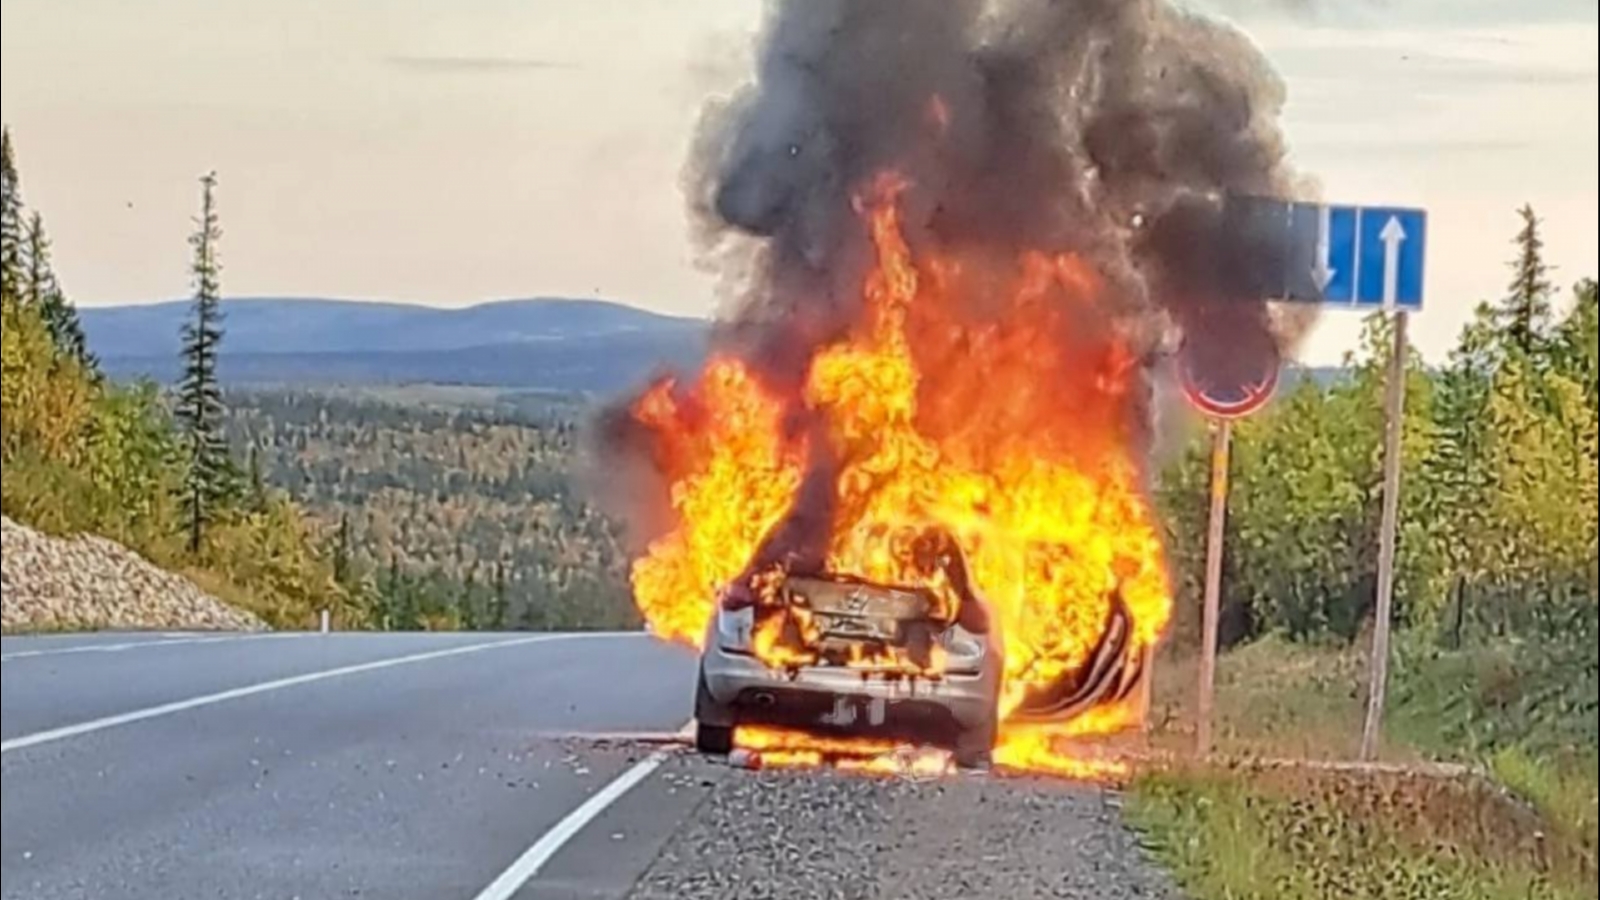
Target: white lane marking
x,y
529,864
139,645
167,709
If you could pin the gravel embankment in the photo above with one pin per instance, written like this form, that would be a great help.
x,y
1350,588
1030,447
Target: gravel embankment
x,y
824,836
50,584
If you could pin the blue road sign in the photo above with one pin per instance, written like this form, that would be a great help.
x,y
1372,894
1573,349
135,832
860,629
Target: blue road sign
x,y
1322,253
1336,255
1394,244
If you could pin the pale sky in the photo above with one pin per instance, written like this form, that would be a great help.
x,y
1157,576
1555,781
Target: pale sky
x,y
454,151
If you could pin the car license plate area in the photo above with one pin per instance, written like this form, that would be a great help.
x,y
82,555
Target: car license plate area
x,y
860,629
856,712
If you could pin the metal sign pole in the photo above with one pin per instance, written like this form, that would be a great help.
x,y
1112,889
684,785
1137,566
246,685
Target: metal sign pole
x,y
1359,258
1377,691
1221,460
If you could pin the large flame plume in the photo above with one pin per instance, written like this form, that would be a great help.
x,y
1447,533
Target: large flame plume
x,y
962,235
1028,469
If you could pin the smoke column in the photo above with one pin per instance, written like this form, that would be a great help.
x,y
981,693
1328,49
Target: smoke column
x,y
1113,129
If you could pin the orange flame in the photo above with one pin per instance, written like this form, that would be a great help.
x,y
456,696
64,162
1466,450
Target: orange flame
x,y
776,748
990,406
1050,748
733,478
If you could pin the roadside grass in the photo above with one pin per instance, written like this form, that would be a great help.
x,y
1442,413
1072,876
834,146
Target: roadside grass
x,y
1224,838
1478,707
1274,699
1235,831
1565,791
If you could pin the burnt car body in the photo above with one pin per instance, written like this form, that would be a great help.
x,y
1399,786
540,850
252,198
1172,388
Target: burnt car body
x,y
866,660
911,663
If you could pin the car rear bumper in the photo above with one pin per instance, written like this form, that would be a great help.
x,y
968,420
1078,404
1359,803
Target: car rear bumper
x,y
743,690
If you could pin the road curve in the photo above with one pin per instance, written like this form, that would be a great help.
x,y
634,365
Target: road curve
x,y
387,766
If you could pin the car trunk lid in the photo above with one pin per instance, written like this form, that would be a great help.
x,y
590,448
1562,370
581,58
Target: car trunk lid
x,y
855,622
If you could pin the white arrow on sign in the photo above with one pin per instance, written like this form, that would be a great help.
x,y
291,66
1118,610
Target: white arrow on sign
x,y
1323,272
1393,235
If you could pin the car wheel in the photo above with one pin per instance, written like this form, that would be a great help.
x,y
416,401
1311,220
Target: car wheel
x,y
713,740
975,747
709,738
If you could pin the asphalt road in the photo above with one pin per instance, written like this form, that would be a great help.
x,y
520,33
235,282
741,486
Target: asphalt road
x,y
425,778
463,766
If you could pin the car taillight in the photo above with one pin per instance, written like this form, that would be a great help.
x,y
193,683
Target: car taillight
x,y
736,629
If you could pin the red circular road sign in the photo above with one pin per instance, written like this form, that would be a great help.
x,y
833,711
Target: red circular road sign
x,y
1234,390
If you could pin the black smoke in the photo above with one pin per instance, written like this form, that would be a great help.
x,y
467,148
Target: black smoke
x,y
1114,129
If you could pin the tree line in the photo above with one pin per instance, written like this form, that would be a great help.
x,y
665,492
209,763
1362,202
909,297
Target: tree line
x,y
82,454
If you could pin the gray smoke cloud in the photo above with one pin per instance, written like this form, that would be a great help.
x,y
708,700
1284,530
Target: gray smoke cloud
x,y
1113,129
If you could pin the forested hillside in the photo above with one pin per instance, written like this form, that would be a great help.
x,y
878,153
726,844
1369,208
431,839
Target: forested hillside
x,y
449,516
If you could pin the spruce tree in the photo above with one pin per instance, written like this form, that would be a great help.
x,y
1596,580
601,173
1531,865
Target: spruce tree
x,y
41,290
10,221
199,395
1527,310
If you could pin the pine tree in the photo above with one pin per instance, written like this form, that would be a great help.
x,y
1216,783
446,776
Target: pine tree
x,y
41,290
1527,309
200,407
10,222
38,273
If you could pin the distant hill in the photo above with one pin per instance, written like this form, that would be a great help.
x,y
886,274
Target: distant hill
x,y
547,344
570,346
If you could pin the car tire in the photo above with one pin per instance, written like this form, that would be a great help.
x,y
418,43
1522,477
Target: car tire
x,y
710,739
975,748
713,740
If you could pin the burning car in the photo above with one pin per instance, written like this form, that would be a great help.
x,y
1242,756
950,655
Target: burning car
x,y
875,551
833,653
957,240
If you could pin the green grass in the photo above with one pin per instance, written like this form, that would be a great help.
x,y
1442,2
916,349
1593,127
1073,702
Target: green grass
x,y
1274,699
1565,791
1237,836
1224,838
1473,707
